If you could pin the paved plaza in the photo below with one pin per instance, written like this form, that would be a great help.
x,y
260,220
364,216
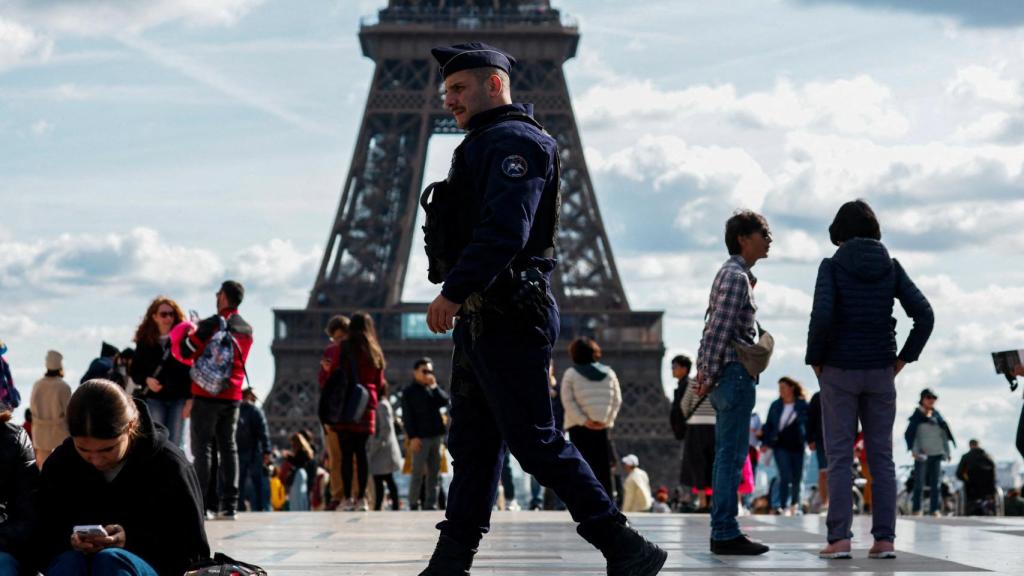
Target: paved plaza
x,y
545,543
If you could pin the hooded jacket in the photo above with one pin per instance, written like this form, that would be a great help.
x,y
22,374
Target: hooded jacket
x,y
852,326
19,477
155,497
590,392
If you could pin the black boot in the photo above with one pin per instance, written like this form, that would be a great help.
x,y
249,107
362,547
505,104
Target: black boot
x,y
628,553
738,546
450,558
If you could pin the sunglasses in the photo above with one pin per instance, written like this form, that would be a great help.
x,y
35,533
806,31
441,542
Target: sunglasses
x,y
427,372
165,314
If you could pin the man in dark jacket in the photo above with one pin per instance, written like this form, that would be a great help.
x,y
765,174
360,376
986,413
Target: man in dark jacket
x,y
214,416
253,438
18,479
422,402
977,470
102,367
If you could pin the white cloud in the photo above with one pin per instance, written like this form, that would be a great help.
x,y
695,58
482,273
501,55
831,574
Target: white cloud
x,y
102,17
858,105
19,44
41,128
277,264
988,84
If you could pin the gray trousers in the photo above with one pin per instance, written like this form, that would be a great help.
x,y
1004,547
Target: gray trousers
x,y
870,396
426,463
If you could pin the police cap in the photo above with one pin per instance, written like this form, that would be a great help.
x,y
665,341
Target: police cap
x,y
452,59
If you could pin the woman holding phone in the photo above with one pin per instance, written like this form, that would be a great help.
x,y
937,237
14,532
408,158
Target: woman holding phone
x,y
117,475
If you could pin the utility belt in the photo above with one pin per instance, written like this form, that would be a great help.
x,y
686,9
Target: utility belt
x,y
515,299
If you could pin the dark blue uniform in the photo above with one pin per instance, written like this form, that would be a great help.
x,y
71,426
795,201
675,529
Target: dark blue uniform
x,y
499,386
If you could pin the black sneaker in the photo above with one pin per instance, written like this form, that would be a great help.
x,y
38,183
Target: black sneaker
x,y
738,546
450,558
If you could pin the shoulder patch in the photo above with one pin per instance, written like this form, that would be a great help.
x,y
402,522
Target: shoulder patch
x,y
514,166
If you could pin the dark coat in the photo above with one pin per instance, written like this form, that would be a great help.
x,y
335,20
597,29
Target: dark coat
x,y
252,435
814,433
371,377
19,478
977,470
156,498
851,322
792,437
421,411
174,376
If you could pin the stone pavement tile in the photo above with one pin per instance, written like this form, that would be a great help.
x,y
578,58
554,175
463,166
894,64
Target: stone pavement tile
x,y
545,543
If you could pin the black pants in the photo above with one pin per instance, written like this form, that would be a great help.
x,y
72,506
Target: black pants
x,y
214,422
379,480
353,444
596,450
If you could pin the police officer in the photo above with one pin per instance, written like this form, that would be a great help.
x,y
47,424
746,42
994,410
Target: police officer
x,y
500,204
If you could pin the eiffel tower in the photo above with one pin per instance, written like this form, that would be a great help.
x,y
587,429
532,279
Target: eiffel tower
x,y
365,264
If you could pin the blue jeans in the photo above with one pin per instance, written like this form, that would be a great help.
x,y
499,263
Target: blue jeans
x,y
253,484
733,399
168,413
109,562
791,471
8,565
929,471
298,493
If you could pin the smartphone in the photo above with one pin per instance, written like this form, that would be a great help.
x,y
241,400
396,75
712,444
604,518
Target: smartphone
x,y
89,530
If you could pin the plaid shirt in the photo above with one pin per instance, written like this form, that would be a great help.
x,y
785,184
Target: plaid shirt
x,y
730,318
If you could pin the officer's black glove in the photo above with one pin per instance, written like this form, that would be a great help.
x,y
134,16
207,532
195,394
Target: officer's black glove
x,y
207,328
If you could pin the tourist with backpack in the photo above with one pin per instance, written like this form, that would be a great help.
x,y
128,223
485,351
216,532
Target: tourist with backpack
x,y
219,347
362,362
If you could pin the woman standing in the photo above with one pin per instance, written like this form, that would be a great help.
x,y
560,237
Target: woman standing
x,y
851,344
165,382
591,397
698,445
928,437
298,479
785,432
362,348
384,454
50,397
118,471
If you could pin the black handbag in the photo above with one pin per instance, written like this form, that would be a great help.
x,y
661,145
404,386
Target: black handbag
x,y
343,399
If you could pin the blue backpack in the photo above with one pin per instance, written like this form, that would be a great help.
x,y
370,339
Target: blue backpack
x,y
9,395
212,370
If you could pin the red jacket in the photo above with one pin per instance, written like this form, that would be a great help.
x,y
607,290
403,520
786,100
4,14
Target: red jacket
x,y
371,377
197,340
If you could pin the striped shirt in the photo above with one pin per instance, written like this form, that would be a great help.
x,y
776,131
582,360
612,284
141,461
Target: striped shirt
x,y
729,320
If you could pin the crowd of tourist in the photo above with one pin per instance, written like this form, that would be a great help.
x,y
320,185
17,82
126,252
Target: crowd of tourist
x,y
119,435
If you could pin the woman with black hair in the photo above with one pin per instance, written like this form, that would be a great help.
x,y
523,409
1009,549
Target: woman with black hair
x,y
851,344
119,474
364,350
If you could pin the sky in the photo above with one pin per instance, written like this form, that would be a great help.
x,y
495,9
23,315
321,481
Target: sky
x,y
161,147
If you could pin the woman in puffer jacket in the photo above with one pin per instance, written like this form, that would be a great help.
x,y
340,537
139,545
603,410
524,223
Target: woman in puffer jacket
x,y
591,397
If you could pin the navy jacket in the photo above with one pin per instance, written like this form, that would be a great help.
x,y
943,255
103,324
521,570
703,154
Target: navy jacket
x,y
511,169
917,418
792,437
851,322
252,434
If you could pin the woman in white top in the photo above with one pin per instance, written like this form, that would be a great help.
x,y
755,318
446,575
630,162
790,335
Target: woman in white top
x,y
50,396
591,397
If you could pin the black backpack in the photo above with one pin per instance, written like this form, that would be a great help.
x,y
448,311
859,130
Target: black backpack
x,y
224,565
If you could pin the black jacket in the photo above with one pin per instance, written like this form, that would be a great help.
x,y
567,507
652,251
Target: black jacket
x,y
156,499
19,478
978,473
252,435
852,326
174,376
814,433
421,411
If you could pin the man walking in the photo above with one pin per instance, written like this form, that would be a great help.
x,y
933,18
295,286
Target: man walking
x,y
422,402
730,323
253,439
490,234
219,344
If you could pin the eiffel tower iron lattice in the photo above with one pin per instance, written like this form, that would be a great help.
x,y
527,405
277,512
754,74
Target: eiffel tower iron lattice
x,y
365,263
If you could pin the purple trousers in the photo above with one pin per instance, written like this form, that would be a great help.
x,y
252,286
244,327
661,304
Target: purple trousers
x,y
870,397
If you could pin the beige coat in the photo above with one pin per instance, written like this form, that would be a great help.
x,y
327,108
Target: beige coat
x,y
50,396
